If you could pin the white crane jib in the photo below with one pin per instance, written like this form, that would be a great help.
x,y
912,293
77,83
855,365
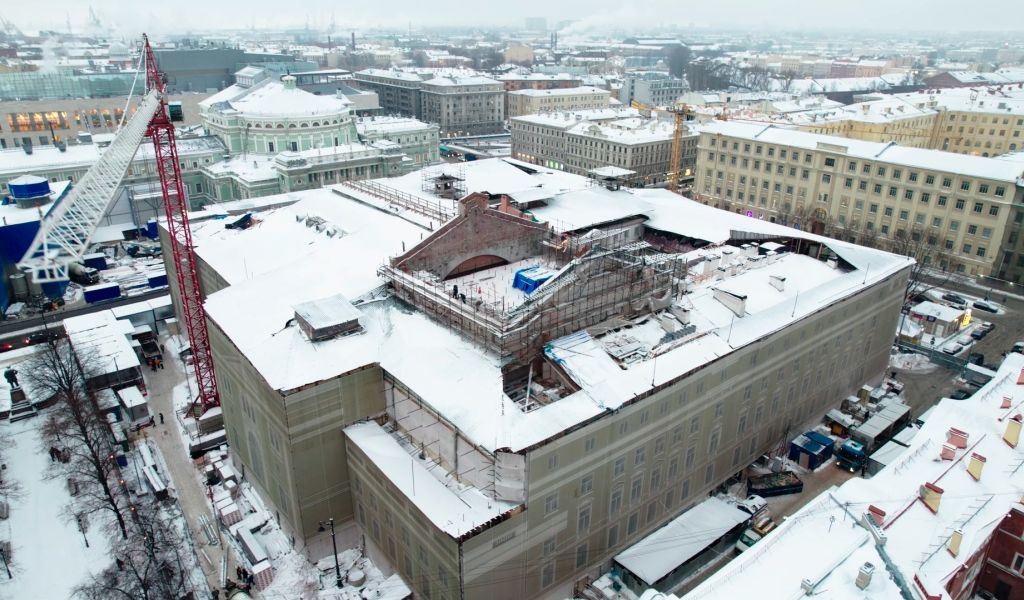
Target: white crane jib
x,y
65,232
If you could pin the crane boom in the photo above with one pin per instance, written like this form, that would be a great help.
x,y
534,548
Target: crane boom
x,y
65,233
161,131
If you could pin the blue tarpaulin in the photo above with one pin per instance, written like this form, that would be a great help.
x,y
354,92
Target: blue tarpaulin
x,y
531,278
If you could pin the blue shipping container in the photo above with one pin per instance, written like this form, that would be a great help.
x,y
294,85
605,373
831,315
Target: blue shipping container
x,y
103,291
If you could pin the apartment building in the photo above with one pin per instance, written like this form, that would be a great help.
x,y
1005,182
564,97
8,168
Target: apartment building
x,y
530,101
397,91
569,450
985,122
580,141
463,104
652,88
35,123
967,207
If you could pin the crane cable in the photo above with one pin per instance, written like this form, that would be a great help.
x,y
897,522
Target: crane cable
x,y
131,93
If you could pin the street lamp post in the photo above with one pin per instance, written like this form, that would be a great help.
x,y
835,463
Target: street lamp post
x,y
334,544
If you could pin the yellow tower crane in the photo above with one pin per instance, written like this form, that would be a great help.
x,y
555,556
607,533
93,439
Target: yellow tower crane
x,y
681,114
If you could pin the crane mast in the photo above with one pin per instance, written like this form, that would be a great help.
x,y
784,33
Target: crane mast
x,y
161,131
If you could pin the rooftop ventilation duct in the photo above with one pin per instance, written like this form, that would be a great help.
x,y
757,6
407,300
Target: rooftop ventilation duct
x,y
778,282
327,318
864,575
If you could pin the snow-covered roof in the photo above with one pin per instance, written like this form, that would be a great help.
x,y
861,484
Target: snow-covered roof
x,y
452,507
11,214
567,119
633,130
251,168
390,124
83,155
538,77
936,160
272,98
101,343
449,80
941,312
391,74
916,537
573,91
681,539
278,262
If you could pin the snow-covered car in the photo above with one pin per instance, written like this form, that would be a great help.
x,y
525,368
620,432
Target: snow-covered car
x,y
752,505
951,348
985,306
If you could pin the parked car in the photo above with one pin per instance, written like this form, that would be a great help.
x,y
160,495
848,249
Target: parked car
x,y
1018,348
955,299
979,333
960,395
976,358
951,348
965,340
985,306
753,505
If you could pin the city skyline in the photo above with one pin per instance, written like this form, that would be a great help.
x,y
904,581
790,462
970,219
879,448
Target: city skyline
x,y
587,17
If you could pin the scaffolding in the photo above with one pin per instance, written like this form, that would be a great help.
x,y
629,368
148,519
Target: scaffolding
x,y
600,276
444,181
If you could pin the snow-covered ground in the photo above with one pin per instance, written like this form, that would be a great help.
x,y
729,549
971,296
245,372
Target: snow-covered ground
x,y
911,362
49,554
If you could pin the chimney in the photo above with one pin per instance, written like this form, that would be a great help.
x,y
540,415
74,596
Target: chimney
x,y
975,466
1012,435
1020,378
864,575
954,541
778,282
1005,403
737,303
956,438
876,515
931,495
948,452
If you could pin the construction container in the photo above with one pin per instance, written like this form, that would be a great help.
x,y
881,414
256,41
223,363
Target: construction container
x,y
103,291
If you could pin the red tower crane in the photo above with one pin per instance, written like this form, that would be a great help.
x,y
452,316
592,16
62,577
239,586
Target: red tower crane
x,y
165,149
66,230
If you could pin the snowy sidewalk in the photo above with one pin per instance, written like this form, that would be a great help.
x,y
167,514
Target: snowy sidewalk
x,y
191,494
49,556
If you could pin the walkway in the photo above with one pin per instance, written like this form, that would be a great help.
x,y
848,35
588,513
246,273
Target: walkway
x,y
190,492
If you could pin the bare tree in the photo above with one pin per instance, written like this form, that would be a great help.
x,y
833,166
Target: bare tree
x,y
927,254
148,564
77,434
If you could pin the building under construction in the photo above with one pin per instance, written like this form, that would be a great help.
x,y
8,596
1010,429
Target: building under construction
x,y
503,390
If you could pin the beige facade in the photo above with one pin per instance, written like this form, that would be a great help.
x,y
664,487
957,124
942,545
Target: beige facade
x,y
580,141
595,491
873,193
30,120
463,105
561,501
965,121
528,102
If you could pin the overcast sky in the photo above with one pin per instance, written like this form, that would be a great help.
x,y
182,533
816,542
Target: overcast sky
x,y
158,15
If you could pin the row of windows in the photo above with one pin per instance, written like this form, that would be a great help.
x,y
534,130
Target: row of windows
x,y
896,173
